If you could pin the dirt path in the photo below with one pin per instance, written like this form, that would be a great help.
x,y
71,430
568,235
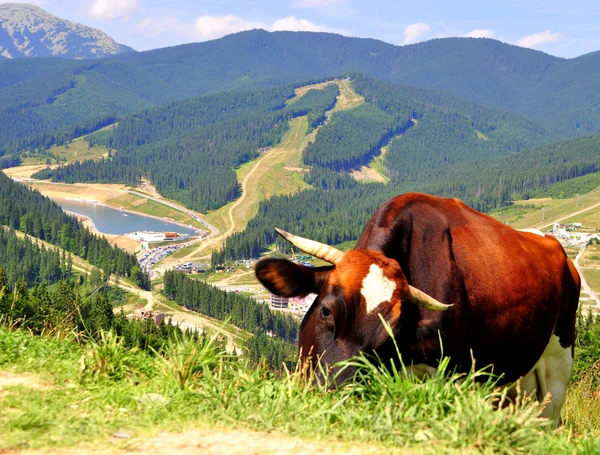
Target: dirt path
x,y
217,442
584,285
241,210
348,99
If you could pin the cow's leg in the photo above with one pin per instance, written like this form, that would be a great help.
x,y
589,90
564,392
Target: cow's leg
x,y
554,372
527,386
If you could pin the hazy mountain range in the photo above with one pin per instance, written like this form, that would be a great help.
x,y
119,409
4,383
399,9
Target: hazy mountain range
x,y
29,31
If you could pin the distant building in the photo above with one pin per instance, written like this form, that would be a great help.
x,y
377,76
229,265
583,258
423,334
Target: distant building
x,y
278,302
302,303
142,314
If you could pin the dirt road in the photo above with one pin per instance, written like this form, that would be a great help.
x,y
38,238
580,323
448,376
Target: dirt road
x,y
585,288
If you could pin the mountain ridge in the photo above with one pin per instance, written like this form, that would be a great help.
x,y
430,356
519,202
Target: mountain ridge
x,y
53,94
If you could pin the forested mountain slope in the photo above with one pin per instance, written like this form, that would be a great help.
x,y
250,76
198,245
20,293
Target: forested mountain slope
x,y
437,129
189,149
52,97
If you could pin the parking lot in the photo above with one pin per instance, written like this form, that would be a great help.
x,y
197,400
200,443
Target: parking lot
x,y
151,256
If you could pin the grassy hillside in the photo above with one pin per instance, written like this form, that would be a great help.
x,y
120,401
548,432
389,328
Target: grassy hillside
x,y
101,389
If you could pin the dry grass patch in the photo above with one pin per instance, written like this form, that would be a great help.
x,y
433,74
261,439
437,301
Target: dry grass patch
x,y
591,257
10,379
593,279
79,150
100,192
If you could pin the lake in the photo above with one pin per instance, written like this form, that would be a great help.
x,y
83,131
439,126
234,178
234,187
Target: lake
x,y
112,221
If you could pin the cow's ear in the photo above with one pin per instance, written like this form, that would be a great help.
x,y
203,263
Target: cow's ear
x,y
286,279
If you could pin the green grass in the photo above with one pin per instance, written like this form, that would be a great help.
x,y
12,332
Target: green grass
x,y
31,160
589,218
149,207
183,252
528,213
80,396
591,256
513,214
78,150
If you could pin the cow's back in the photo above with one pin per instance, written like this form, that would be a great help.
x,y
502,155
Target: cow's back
x,y
511,290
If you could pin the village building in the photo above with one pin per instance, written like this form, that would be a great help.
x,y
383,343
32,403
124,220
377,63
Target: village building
x,y
143,314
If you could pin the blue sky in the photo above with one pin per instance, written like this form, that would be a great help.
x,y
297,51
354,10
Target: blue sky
x,y
562,28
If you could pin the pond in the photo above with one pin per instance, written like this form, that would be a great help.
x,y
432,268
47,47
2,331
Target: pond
x,y
112,221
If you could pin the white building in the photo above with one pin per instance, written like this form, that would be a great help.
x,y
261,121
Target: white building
x,y
147,236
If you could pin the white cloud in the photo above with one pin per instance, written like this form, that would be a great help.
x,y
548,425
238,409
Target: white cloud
x,y
210,27
152,27
110,9
480,33
539,38
413,31
317,3
293,24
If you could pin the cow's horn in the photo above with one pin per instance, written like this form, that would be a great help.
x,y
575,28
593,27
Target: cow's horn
x,y
317,249
425,301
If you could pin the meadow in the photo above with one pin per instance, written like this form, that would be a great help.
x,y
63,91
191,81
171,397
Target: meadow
x,y
61,392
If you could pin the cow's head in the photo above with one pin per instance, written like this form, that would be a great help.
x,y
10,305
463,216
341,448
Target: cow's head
x,y
352,293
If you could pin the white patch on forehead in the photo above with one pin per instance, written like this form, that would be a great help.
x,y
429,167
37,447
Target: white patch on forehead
x,y
377,288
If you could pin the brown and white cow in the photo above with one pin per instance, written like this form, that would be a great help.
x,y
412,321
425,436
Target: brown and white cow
x,y
435,269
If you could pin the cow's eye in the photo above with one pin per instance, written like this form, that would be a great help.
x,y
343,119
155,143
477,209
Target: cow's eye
x,y
325,312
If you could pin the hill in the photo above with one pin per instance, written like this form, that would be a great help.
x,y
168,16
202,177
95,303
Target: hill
x,y
204,139
37,216
29,31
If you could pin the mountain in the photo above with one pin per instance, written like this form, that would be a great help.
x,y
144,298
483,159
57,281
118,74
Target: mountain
x,y
555,92
29,31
